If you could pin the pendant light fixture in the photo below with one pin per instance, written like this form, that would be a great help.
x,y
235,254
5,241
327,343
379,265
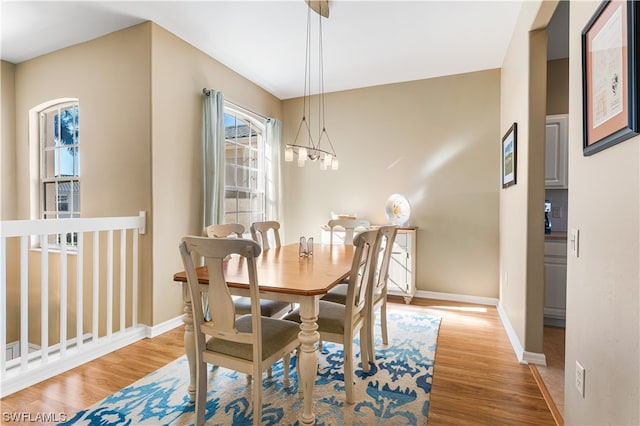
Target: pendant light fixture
x,y
321,149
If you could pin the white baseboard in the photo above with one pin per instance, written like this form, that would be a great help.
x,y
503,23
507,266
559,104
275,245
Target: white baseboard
x,y
16,379
534,358
523,356
457,297
156,330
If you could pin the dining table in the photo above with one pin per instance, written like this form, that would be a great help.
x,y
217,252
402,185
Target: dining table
x,y
283,274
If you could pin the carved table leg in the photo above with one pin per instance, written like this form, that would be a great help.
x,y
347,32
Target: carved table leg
x,y
189,340
308,357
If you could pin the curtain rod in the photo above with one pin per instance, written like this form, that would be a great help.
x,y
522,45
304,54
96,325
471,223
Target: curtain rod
x,y
207,92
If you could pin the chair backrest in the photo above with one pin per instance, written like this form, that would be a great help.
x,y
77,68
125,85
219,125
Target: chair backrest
x,y
260,233
221,306
349,226
225,230
361,275
387,237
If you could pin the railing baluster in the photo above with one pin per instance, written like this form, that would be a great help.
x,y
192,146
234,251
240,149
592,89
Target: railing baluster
x,y
134,280
109,283
123,277
17,280
96,286
3,306
44,298
24,302
79,291
63,296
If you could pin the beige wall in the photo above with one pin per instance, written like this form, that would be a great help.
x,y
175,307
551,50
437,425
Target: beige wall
x,y
603,284
146,155
180,72
7,141
435,141
513,200
111,78
523,101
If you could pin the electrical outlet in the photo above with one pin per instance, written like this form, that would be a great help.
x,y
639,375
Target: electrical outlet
x,y
556,213
580,378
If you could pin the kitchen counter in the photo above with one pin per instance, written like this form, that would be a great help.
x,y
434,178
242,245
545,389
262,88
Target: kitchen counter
x,y
556,236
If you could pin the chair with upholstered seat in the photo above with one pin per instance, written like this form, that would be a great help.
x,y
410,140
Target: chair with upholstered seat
x,y
378,289
350,227
268,308
340,323
249,343
260,233
225,230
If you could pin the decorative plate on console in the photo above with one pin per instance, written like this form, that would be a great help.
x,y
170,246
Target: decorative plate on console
x,y
398,209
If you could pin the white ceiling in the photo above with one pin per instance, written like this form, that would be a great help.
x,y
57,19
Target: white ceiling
x,y
366,43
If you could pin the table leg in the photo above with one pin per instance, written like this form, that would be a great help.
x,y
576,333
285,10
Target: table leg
x,y
308,357
189,341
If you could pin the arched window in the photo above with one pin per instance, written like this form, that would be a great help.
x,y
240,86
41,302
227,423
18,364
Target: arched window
x,y
58,130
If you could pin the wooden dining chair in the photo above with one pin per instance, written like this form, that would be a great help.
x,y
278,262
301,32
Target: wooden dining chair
x,y
377,297
249,343
341,323
349,225
378,289
268,308
260,233
225,230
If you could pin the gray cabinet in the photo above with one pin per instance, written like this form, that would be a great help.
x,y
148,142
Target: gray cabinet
x,y
555,156
402,268
555,282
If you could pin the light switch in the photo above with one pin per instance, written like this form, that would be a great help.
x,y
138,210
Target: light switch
x,y
573,241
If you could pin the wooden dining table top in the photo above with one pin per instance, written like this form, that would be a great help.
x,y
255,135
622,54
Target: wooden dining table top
x,y
282,270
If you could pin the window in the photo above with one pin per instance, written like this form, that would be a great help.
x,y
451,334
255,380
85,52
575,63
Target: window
x,y
244,168
59,133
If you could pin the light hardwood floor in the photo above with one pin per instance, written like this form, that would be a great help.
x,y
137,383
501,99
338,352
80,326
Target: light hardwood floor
x,y
552,375
477,379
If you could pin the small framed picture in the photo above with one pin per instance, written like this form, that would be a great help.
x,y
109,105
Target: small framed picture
x,y
509,156
610,75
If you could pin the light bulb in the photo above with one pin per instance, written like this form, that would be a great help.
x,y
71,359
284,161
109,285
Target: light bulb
x,y
328,159
288,153
334,164
302,156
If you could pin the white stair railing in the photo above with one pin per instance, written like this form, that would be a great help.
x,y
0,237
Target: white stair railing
x,y
36,266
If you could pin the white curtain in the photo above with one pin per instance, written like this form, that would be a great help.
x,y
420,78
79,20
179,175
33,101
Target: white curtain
x,y
213,157
273,145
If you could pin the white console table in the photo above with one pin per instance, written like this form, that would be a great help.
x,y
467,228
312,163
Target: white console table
x,y
402,269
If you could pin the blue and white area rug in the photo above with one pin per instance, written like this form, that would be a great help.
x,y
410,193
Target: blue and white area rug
x,y
395,391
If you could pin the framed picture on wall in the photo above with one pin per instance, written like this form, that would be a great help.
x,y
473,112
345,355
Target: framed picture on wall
x,y
509,156
610,75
